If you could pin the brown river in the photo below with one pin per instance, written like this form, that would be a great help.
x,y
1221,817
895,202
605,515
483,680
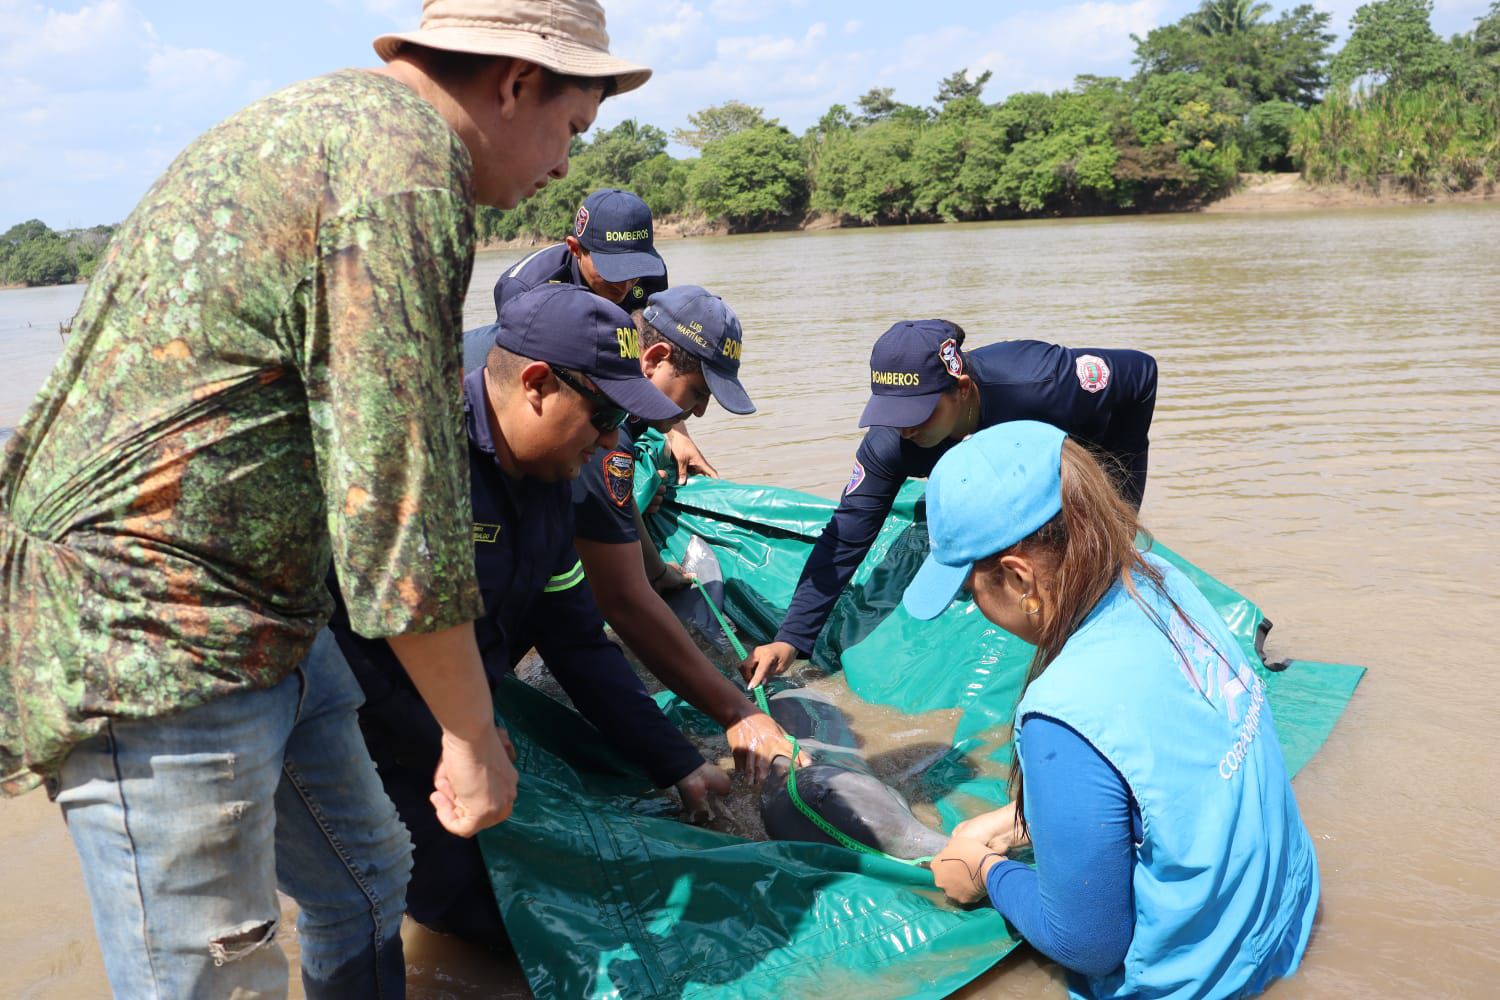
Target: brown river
x,y
1327,441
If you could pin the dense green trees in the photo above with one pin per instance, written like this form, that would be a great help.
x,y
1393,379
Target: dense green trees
x,y
1232,86
1407,109
32,254
754,177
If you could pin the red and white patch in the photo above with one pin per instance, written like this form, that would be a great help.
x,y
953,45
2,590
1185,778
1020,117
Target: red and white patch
x,y
951,359
580,221
1093,373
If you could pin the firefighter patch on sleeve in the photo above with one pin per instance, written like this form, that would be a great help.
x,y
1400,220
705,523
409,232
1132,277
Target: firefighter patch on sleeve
x,y
855,478
619,476
1093,373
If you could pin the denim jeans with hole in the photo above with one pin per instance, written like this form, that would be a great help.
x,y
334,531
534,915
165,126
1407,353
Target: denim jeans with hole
x,y
186,825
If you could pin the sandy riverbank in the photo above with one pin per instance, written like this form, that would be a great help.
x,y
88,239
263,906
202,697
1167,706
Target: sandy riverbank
x,y
1289,192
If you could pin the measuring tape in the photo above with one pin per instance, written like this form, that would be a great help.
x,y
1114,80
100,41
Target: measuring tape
x,y
839,837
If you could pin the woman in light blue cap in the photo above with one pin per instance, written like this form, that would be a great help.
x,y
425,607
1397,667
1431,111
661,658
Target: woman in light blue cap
x,y
1170,857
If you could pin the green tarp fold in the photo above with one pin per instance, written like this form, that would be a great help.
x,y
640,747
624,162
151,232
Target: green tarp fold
x,y
606,896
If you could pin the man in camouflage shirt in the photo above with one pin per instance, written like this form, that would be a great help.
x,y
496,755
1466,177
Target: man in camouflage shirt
x,y
263,379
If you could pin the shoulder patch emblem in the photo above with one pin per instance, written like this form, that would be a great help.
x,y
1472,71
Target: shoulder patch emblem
x,y
948,354
1093,373
619,476
486,532
855,478
580,221
638,292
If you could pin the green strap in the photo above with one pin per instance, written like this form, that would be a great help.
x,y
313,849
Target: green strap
x,y
839,837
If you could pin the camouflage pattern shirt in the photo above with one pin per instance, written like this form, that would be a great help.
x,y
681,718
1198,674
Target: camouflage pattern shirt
x,y
263,377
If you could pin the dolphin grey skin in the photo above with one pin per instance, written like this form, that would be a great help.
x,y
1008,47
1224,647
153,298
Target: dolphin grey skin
x,y
687,602
839,785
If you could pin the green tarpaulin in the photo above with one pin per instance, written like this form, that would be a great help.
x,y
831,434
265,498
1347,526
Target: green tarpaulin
x,y
604,896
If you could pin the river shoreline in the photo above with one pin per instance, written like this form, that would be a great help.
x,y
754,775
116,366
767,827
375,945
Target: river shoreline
x,y
1254,193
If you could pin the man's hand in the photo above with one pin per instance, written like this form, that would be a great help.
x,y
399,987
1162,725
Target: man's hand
x,y
997,829
475,782
690,460
767,661
659,495
671,577
757,740
695,789
961,868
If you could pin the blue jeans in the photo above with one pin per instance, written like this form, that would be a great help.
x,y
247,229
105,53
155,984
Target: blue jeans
x,y
186,825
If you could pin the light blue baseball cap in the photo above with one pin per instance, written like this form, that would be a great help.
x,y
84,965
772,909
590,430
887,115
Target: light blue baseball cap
x,y
984,496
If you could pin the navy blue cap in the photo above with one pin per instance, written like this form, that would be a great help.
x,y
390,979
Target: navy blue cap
x,y
614,226
703,325
910,366
571,327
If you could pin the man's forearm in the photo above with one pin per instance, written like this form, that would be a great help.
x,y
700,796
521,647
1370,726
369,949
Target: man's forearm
x,y
655,635
651,560
448,673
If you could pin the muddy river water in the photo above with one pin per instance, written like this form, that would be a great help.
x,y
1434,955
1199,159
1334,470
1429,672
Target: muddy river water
x,y
1327,441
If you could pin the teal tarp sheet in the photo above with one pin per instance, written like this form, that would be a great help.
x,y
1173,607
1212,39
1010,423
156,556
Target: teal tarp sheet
x,y
604,896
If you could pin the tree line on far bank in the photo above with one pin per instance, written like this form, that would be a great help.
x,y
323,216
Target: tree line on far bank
x,y
32,254
1230,87
1226,89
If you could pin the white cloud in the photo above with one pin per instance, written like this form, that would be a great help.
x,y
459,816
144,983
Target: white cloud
x,y
99,101
102,45
744,11
1034,50
656,34
852,27
403,15
180,70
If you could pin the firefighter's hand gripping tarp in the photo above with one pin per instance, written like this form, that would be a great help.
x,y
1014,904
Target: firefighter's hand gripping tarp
x,y
605,896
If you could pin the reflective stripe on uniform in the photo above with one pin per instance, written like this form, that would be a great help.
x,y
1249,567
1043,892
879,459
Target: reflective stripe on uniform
x,y
526,260
565,581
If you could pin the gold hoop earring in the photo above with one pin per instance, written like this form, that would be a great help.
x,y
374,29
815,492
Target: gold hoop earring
x,y
1031,606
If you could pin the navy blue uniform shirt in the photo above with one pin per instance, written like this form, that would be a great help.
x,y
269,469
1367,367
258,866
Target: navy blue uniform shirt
x,y
557,264
1017,380
535,594
603,502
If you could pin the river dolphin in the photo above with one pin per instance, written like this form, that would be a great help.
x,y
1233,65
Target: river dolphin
x,y
838,786
687,603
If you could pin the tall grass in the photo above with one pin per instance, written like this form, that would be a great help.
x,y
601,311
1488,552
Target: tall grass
x,y
1425,139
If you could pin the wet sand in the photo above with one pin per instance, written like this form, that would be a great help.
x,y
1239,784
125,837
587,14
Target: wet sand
x,y
1327,441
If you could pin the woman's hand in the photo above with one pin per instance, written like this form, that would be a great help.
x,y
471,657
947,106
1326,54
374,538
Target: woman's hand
x,y
999,830
961,868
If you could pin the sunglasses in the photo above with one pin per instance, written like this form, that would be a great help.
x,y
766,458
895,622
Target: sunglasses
x,y
606,416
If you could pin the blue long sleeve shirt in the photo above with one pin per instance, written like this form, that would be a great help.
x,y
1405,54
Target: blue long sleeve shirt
x,y
1076,907
1017,380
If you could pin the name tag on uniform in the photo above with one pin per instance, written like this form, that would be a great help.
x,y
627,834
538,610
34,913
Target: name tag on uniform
x,y
486,532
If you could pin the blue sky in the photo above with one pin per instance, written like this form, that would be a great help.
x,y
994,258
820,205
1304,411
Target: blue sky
x,y
97,96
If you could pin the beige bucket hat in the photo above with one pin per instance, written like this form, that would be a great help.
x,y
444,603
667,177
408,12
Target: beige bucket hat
x,y
566,36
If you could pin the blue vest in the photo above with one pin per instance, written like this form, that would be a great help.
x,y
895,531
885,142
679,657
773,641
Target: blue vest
x,y
1225,879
